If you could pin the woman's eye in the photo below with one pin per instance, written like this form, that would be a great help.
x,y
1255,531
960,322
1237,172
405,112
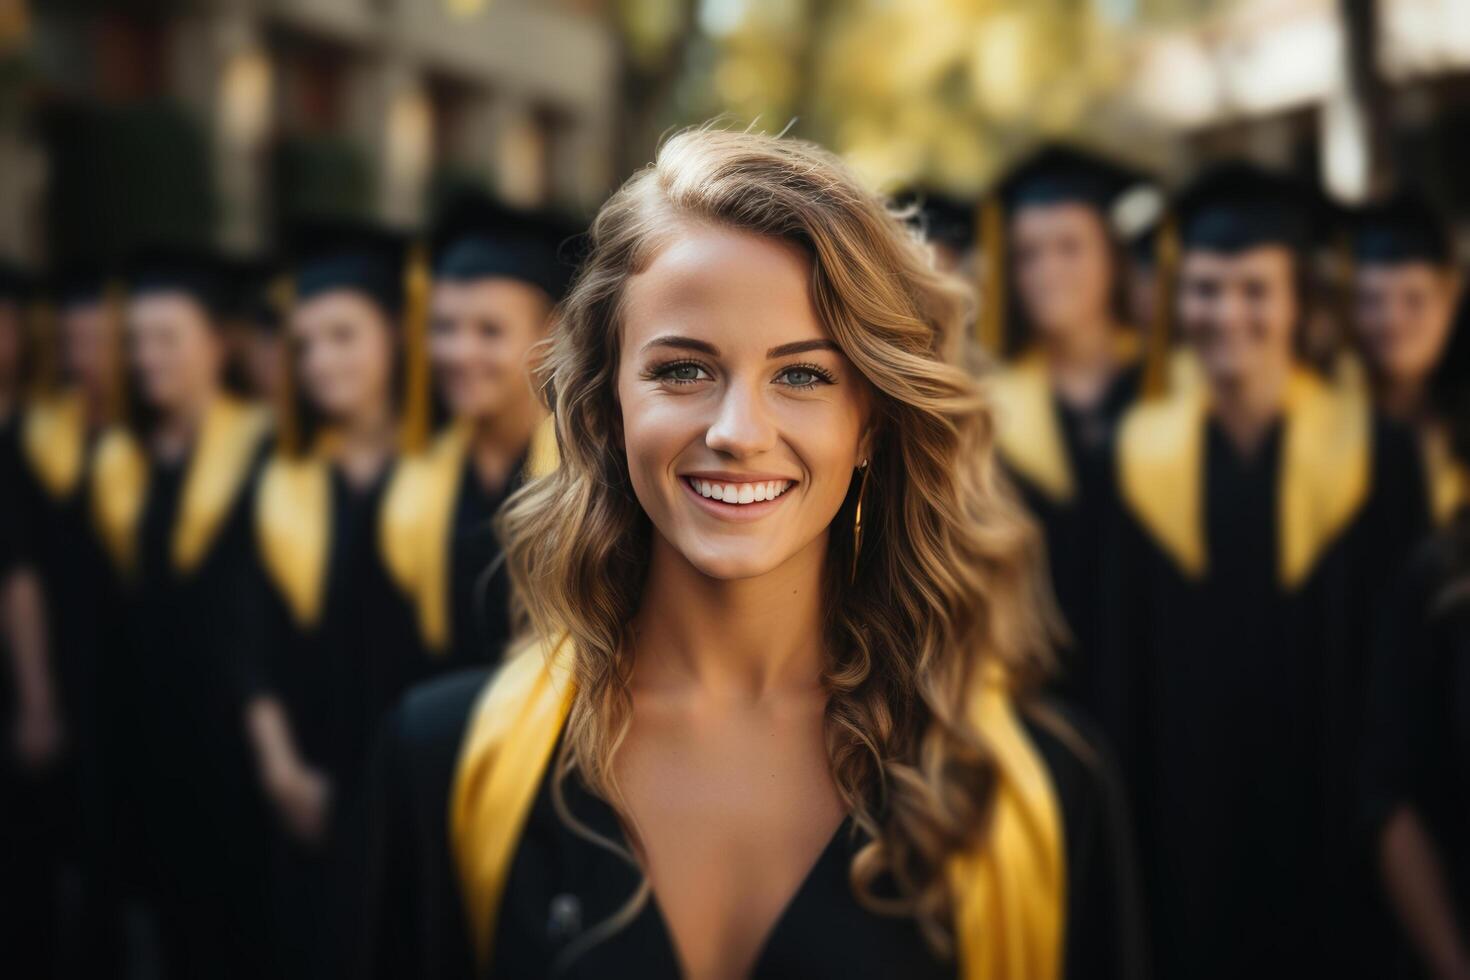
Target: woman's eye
x,y
682,373
803,377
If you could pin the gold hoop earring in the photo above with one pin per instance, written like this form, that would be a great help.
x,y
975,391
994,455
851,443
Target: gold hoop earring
x,y
857,523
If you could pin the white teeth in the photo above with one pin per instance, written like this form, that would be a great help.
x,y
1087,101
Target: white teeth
x,y
740,493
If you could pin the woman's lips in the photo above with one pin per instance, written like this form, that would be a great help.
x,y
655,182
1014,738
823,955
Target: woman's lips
x,y
723,498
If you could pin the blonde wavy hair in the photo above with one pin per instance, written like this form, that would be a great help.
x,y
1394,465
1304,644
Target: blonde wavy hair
x,y
949,575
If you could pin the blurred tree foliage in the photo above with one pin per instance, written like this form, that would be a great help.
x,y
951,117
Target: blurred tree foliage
x,y
940,93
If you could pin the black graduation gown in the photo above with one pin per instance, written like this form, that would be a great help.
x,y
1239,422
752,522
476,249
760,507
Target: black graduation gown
x,y
478,597
1419,725
187,664
561,885
320,674
1238,711
1074,531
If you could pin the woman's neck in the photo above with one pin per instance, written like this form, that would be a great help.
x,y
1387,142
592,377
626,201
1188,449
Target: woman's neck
x,y
744,638
1402,399
364,443
498,441
1246,410
1082,362
176,428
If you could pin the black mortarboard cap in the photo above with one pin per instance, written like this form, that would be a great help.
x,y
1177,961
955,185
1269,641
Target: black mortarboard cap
x,y
1060,174
17,285
475,238
940,218
196,271
1236,206
351,255
1402,229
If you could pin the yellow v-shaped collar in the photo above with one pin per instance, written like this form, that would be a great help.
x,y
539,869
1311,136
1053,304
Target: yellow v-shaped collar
x,y
1010,890
415,528
1325,473
1028,432
293,521
54,438
228,440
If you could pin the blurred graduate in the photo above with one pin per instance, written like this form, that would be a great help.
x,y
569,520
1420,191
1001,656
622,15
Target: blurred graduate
x,y
170,492
71,392
1263,516
497,277
1074,366
342,416
1418,772
1405,285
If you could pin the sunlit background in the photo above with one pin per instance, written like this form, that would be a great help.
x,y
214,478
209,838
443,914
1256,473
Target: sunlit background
x,y
216,120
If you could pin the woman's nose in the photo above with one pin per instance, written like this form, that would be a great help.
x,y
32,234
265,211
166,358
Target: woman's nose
x,y
742,425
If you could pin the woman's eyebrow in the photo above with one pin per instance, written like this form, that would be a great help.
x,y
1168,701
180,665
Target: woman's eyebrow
x,y
683,343
801,347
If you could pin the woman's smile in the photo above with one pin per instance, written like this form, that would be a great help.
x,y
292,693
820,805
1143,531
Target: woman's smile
x,y
736,497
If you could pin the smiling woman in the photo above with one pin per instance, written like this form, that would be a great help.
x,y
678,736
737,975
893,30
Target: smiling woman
x,y
771,711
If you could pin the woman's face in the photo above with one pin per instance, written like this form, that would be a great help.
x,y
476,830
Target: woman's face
x,y
482,332
1063,267
742,421
177,353
1403,317
344,349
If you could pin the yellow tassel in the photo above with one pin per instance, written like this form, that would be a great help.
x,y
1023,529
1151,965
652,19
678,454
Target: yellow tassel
x,y
414,432
990,325
1161,334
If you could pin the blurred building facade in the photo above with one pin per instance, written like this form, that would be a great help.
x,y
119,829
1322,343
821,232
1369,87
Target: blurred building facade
x,y
220,120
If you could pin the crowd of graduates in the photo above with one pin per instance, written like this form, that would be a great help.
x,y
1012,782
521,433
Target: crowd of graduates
x,y
246,506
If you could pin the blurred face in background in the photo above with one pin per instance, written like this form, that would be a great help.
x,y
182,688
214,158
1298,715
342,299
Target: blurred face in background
x,y
177,354
86,344
1403,314
1239,312
344,346
1063,268
481,335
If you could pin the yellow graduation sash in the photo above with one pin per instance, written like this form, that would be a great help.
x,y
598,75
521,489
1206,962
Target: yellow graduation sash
x,y
1447,480
1010,891
418,510
1028,432
54,438
229,437
1325,472
293,523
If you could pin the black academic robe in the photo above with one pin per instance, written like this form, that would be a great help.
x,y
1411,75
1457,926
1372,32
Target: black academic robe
x,y
1238,708
317,665
45,497
1073,526
1419,732
475,598
561,885
185,665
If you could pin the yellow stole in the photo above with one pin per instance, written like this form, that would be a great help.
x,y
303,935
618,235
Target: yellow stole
x,y
1028,433
229,437
54,439
415,529
1010,890
293,523
1447,479
1325,472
